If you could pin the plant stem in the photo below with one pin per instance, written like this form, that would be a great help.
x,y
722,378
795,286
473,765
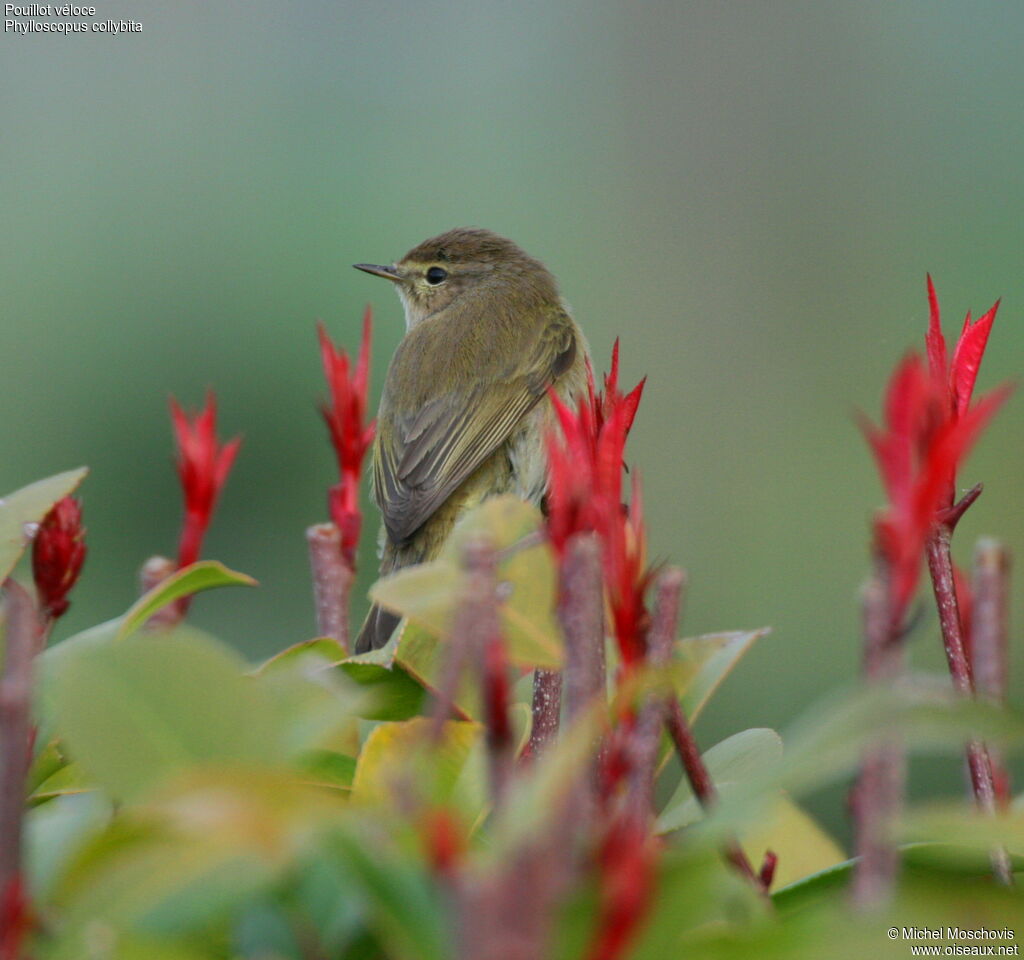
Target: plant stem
x,y
154,572
23,636
581,615
878,795
476,642
332,581
646,735
989,640
940,566
703,786
480,636
547,707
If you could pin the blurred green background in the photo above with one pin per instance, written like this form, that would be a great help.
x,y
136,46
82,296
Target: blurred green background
x,y
748,194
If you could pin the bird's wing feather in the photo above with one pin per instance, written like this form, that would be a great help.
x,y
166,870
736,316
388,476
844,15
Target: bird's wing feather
x,y
422,455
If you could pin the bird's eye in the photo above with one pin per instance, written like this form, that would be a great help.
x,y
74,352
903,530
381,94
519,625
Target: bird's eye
x,y
436,275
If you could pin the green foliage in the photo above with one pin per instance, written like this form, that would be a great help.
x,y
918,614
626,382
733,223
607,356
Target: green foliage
x,y
204,575
427,594
185,805
740,757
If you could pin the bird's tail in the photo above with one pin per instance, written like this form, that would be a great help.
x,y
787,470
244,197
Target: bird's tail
x,y
376,629
380,623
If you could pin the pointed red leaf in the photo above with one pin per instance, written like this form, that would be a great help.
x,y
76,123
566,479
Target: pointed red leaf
x,y
967,357
934,339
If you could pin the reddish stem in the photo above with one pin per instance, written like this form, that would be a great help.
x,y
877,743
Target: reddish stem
x,y
476,642
581,615
646,735
154,572
989,639
940,566
878,795
703,786
24,633
332,581
547,707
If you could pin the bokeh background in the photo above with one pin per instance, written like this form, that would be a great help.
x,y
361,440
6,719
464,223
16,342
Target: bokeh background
x,y
749,194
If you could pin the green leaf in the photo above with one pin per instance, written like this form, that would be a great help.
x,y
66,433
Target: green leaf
x,y
199,848
68,780
427,594
827,742
393,694
328,767
738,758
803,848
135,711
965,835
54,834
23,510
788,898
956,861
407,909
45,764
421,655
323,648
204,575
315,707
713,657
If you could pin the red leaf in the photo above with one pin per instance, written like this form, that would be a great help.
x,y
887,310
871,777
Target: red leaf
x,y
203,468
934,339
970,349
351,436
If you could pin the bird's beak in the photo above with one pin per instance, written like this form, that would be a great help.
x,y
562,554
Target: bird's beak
x,y
388,273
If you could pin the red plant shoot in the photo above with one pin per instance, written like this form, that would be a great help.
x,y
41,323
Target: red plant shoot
x,y
930,426
58,553
627,576
626,885
585,455
585,495
203,468
351,435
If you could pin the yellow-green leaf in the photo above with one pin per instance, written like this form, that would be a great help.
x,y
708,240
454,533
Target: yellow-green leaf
x,y
204,575
713,657
802,846
133,712
427,594
398,757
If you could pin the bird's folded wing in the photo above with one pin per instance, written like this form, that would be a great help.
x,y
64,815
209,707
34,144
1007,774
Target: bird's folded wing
x,y
428,452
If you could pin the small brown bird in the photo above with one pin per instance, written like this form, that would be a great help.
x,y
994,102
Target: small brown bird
x,y
464,411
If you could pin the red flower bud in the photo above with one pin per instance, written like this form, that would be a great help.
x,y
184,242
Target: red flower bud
x,y
57,556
